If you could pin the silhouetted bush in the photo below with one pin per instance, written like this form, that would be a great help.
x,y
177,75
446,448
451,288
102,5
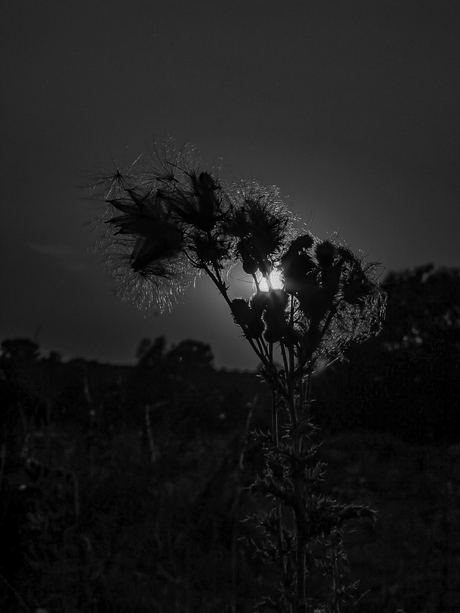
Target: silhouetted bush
x,y
407,380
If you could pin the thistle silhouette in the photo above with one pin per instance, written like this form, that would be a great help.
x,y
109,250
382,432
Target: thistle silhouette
x,y
170,220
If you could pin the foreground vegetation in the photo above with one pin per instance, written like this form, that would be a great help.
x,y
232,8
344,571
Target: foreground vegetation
x,y
120,506
132,514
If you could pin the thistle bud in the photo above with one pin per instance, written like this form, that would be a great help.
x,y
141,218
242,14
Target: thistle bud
x,y
296,264
303,242
278,299
296,267
274,316
314,300
325,254
355,293
255,328
259,302
247,318
250,266
241,312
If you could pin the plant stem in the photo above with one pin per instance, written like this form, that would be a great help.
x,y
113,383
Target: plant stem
x,y
300,562
219,283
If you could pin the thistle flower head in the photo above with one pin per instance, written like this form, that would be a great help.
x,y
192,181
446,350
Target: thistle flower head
x,y
146,252
167,211
261,224
356,305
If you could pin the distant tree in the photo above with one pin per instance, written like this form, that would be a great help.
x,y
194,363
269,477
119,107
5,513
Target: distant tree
x,y
150,353
190,354
423,309
406,380
54,357
20,350
421,346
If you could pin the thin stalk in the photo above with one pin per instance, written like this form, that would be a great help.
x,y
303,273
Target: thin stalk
x,y
292,402
219,283
274,421
335,580
306,395
329,317
2,464
280,538
300,563
18,596
263,348
285,362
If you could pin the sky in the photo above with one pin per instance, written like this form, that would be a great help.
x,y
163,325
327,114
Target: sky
x,y
350,107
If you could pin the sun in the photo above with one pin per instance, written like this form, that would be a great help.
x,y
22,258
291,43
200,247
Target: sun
x,y
276,280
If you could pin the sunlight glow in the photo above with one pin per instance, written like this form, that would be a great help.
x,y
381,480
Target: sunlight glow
x,y
276,280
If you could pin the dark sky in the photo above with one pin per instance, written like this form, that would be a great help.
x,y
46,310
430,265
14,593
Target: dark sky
x,y
350,107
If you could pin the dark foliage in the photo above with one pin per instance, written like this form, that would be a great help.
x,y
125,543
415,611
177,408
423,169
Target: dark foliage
x,y
103,522
406,380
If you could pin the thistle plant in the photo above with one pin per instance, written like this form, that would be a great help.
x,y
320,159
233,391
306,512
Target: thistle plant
x,y
170,220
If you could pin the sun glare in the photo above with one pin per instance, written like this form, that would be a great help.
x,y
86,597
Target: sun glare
x,y
276,281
